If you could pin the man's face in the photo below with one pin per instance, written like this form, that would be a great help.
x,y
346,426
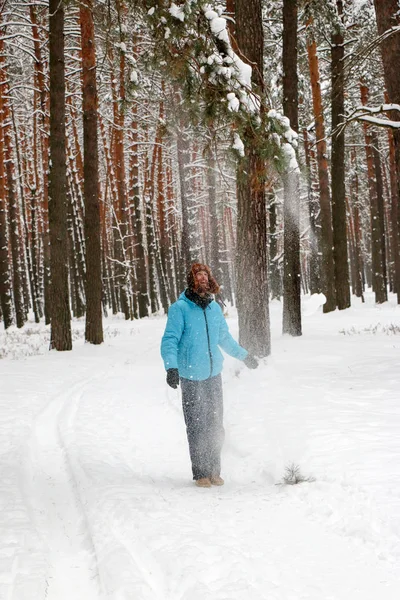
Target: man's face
x,y
202,282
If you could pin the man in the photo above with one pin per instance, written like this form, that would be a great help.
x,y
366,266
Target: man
x,y
195,330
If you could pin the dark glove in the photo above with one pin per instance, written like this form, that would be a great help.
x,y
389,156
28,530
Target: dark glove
x,y
251,362
173,378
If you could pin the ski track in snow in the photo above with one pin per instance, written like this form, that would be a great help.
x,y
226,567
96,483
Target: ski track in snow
x,y
55,505
105,476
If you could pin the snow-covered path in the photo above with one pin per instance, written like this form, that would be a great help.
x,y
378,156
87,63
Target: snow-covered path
x,y
96,498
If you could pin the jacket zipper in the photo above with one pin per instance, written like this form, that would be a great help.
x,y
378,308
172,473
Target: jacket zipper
x,y
208,340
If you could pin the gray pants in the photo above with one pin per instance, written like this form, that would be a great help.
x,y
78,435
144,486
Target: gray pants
x,y
203,411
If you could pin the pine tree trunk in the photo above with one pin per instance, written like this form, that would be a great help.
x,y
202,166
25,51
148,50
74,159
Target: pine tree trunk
x,y
394,214
338,168
214,242
251,251
387,17
328,268
291,321
14,220
121,224
34,207
93,287
378,282
314,238
150,233
274,274
173,249
60,312
142,295
75,277
380,205
358,268
21,165
183,160
43,210
5,275
165,282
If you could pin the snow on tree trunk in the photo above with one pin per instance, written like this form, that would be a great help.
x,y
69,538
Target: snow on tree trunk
x,y
388,16
5,275
314,238
251,251
140,287
328,270
44,126
378,280
291,319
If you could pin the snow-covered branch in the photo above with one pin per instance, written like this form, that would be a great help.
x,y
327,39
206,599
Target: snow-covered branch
x,y
365,113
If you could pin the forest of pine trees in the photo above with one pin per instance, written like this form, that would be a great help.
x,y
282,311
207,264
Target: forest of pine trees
x,y
261,137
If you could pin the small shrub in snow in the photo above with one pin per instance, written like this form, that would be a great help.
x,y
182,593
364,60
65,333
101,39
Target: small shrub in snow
x,y
293,476
391,329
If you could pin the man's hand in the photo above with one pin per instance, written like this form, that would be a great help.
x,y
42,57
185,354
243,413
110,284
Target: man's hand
x,y
251,362
173,378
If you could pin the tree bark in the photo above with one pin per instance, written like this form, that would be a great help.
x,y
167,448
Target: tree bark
x,y
5,275
93,287
61,338
44,146
338,167
314,238
251,250
274,273
328,268
355,217
13,205
182,143
291,322
394,214
142,295
378,281
388,16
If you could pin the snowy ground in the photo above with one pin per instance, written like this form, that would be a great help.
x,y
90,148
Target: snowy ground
x,y
96,499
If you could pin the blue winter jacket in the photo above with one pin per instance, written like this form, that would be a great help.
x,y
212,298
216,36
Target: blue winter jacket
x,y
192,338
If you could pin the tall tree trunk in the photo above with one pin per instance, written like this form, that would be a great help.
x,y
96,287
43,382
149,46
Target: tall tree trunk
x,y
182,142
395,206
165,282
24,171
251,252
214,242
142,295
5,275
173,250
13,206
93,287
291,322
314,238
121,217
44,143
381,204
274,274
354,195
387,17
378,280
60,312
328,268
338,166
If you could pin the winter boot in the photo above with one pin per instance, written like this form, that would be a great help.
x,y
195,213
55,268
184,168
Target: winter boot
x,y
203,482
217,480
